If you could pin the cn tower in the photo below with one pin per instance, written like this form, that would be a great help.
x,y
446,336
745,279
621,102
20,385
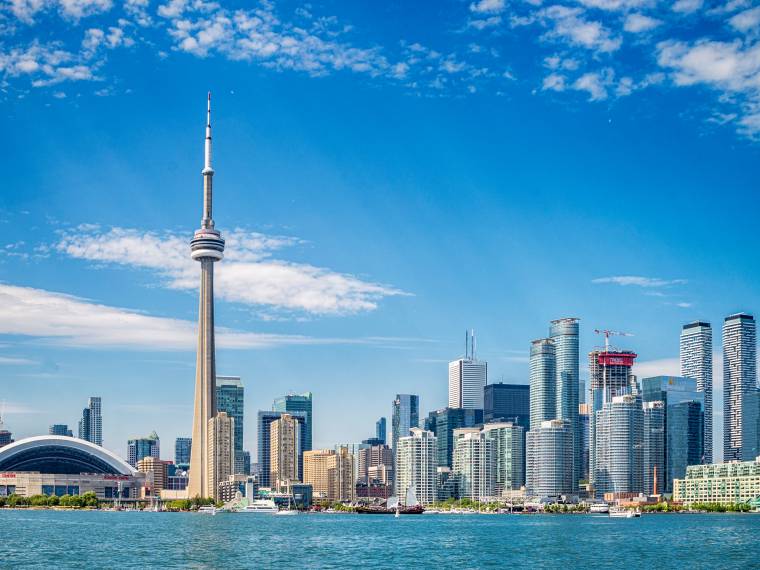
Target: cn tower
x,y
207,246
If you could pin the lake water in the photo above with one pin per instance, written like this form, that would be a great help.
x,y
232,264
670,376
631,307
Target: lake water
x,y
44,539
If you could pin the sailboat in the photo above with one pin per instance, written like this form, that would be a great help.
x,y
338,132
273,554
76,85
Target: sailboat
x,y
289,511
393,506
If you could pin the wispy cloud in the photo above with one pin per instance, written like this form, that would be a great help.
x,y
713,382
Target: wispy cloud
x,y
639,281
248,275
11,361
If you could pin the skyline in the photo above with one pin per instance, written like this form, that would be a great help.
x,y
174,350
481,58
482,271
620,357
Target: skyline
x,y
364,234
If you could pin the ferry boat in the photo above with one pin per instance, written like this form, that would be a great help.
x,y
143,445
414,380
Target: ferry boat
x,y
207,510
599,508
624,513
260,506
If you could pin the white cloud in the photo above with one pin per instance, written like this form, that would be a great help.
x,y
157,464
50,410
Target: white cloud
x,y
488,6
639,281
595,84
637,23
71,321
26,10
661,367
614,5
554,82
732,68
248,275
746,21
11,361
687,6
570,25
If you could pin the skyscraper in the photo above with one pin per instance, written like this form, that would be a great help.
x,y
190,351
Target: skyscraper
x,y
739,387
543,376
207,247
697,363
60,429
653,454
507,402
330,473
381,431
265,420
220,451
141,447
416,466
285,450
230,398
683,423
550,459
406,415
374,456
298,403
609,376
467,378
182,448
443,423
91,424
585,429
508,450
564,333
474,465
619,449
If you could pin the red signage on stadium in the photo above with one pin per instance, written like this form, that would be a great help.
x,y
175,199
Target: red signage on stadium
x,y
616,359
116,477
8,475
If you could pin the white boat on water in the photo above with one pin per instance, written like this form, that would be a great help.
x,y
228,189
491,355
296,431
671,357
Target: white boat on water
x,y
260,506
207,510
599,508
624,513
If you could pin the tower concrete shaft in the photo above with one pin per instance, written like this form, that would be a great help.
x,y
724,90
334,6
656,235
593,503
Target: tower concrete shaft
x,y
207,247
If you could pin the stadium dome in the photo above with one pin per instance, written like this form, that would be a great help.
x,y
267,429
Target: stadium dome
x,y
61,455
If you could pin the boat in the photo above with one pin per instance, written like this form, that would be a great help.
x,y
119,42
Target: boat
x,y
260,506
599,508
394,507
207,510
624,513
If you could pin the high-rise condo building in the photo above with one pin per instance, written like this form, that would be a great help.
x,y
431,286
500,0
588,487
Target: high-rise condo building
x,y
405,416
381,431
265,419
207,247
443,423
653,451
474,467
550,459
564,333
508,452
609,376
697,363
739,387
156,477
91,424
285,450
60,429
298,403
182,448
230,398
375,456
543,379
619,435
221,451
416,466
330,473
141,447
683,422
585,429
507,403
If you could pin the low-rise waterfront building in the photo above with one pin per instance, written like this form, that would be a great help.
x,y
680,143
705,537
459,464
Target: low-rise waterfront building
x,y
719,483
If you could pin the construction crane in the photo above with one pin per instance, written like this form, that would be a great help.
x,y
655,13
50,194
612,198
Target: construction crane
x,y
607,334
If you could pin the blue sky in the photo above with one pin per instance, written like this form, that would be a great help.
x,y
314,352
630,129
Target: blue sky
x,y
388,175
